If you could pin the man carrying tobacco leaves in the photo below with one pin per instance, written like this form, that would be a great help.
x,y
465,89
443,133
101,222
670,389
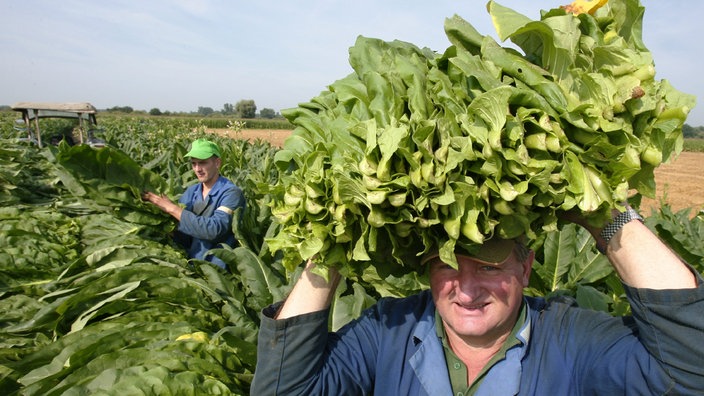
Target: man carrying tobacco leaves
x,y
477,143
206,209
475,333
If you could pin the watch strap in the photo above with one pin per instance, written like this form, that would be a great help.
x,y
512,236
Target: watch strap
x,y
618,222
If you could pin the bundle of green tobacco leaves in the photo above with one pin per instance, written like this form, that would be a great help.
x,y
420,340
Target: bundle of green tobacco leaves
x,y
110,181
416,150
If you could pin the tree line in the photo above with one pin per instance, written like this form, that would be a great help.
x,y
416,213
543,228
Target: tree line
x,y
245,108
693,132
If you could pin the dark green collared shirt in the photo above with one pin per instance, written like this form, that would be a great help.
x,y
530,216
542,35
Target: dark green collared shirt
x,y
458,370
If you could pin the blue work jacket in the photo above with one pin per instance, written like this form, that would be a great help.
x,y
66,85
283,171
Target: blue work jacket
x,y
393,349
207,223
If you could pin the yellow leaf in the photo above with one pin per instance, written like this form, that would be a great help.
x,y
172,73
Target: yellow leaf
x,y
197,336
584,6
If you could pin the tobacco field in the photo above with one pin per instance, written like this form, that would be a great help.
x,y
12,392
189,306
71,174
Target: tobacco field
x,y
96,299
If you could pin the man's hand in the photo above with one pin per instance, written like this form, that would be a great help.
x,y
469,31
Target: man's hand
x,y
163,203
593,226
640,258
311,293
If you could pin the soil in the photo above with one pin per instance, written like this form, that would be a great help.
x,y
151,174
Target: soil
x,y
274,136
679,183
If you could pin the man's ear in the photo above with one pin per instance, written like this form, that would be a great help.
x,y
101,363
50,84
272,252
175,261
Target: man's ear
x,y
527,267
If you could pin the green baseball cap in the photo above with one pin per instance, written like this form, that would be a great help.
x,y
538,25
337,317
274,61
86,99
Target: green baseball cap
x,y
203,149
493,251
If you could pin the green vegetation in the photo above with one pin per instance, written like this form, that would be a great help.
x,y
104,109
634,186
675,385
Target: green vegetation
x,y
693,132
215,122
95,297
694,145
418,150
90,276
243,109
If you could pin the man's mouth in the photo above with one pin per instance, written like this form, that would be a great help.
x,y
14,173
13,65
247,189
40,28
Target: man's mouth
x,y
472,307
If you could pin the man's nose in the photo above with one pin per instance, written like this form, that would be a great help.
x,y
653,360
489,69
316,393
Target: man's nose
x,y
467,280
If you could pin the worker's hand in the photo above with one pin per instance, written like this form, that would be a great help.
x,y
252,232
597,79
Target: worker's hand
x,y
639,257
312,292
164,203
150,197
577,217
161,201
593,225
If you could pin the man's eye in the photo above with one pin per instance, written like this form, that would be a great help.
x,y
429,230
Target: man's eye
x,y
489,268
443,267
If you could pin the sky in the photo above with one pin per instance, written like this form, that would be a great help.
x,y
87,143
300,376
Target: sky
x,y
179,55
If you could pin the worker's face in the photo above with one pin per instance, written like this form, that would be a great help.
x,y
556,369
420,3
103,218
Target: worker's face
x,y
207,170
479,302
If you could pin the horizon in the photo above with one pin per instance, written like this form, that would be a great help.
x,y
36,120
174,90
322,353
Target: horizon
x,y
178,56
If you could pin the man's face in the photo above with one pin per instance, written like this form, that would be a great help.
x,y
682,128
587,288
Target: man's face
x,y
479,302
207,170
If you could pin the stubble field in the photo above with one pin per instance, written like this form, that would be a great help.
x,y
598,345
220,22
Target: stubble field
x,y
679,183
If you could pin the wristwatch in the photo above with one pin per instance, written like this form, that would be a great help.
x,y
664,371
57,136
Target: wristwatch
x,y
619,221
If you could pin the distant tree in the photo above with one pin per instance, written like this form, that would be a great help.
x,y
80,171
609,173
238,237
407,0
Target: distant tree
x,y
689,131
205,111
5,108
228,109
155,112
246,108
121,109
267,113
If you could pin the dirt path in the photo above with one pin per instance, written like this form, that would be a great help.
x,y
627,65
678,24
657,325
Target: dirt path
x,y
680,183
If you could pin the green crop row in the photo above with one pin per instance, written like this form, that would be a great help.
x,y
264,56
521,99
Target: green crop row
x,y
693,145
220,122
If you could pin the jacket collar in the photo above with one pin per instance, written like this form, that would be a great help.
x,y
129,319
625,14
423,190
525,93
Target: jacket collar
x,y
217,187
429,359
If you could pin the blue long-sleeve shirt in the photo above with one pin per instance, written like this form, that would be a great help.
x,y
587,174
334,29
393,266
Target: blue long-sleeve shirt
x,y
207,223
393,349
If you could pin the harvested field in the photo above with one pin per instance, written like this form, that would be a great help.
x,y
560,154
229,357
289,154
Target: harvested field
x,y
679,183
274,136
